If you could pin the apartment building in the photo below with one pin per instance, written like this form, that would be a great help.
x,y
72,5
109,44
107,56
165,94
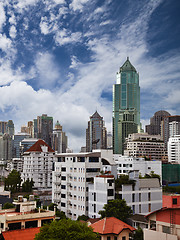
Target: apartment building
x,y
174,149
71,178
144,145
143,196
100,191
125,164
38,165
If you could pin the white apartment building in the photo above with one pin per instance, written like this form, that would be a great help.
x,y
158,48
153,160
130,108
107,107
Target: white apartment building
x,y
174,149
125,164
144,196
100,191
38,165
174,128
71,178
144,145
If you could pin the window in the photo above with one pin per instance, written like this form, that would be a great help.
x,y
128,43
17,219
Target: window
x,y
139,208
149,196
108,238
94,207
110,192
63,186
133,197
115,238
139,197
63,195
94,196
63,169
63,178
123,238
166,229
174,201
63,204
149,207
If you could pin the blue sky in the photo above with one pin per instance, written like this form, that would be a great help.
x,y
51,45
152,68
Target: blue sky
x,y
61,57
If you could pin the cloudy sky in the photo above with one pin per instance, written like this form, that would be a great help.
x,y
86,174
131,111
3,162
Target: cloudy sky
x,y
60,57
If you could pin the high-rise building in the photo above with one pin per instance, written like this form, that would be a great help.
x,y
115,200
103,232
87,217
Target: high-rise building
x,y
96,134
17,138
170,126
3,127
45,128
174,149
155,122
10,128
5,147
126,105
59,139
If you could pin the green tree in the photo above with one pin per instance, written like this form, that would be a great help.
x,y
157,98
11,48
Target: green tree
x,y
13,181
66,229
51,206
123,179
116,208
60,214
8,205
27,185
83,217
138,235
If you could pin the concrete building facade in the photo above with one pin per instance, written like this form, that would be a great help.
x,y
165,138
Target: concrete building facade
x,y
59,139
174,149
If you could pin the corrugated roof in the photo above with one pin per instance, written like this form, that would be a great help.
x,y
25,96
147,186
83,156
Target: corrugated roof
x,y
37,147
110,225
26,234
149,183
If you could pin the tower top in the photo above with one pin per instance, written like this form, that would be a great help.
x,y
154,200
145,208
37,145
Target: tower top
x,y
96,115
127,66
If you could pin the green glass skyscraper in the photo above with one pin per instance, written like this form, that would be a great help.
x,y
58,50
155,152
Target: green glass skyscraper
x,y
126,105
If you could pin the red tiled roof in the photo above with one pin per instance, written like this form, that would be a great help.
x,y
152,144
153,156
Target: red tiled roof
x,y
37,146
26,234
110,225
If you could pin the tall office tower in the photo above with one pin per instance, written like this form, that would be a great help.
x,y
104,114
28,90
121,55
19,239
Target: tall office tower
x,y
45,128
96,134
3,127
59,139
155,122
10,128
28,129
5,147
170,126
17,138
126,105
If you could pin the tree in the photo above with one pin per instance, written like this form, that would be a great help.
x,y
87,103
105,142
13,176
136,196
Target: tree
x,y
8,205
123,179
27,185
116,208
83,217
66,229
13,181
138,235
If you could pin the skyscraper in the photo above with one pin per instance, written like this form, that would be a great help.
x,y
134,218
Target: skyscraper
x,y
96,134
45,128
59,139
155,122
126,105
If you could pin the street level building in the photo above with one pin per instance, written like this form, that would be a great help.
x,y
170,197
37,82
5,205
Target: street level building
x,y
24,215
126,105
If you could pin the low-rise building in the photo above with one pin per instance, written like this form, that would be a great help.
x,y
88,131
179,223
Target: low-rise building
x,y
112,228
171,200
143,196
24,215
163,224
100,191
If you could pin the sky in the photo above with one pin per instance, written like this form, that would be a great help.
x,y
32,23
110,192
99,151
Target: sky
x,y
60,57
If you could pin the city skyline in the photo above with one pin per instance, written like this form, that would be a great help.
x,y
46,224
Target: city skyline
x,y
61,57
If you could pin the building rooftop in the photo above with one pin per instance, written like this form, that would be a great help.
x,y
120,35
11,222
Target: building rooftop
x,y
28,234
149,183
37,147
127,66
110,225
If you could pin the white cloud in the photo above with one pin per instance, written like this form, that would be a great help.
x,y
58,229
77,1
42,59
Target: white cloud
x,y
64,37
78,4
46,70
12,31
59,1
2,16
5,43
